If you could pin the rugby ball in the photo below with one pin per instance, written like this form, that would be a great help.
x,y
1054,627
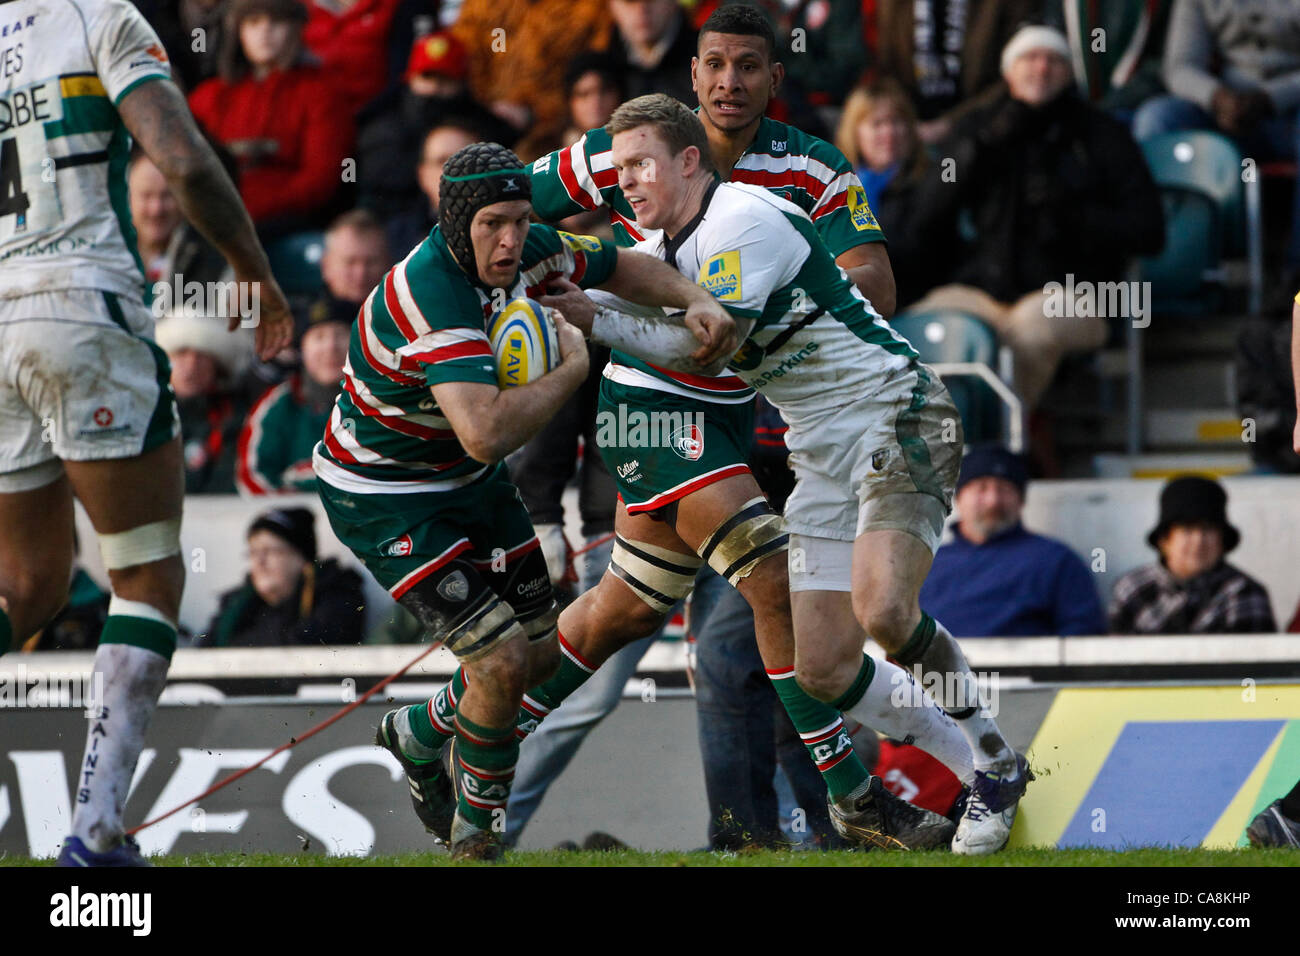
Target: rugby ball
x,y
524,342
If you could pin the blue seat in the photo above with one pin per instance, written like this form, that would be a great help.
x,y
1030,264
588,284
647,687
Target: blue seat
x,y
1208,219
947,336
295,262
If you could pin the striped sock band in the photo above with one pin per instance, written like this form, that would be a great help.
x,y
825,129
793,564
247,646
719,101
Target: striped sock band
x,y
140,625
485,768
920,641
821,728
539,701
433,722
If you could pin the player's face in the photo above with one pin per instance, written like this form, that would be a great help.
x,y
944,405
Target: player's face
x,y
1192,548
734,78
439,146
268,42
1037,77
353,263
154,209
650,177
324,349
497,233
987,506
274,568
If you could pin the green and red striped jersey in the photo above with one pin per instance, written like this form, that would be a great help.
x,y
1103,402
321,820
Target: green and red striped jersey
x,y
423,325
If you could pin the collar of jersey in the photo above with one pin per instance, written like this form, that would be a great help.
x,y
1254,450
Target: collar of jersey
x,y
672,245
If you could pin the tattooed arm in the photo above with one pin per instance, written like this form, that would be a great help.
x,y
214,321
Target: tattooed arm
x,y
159,119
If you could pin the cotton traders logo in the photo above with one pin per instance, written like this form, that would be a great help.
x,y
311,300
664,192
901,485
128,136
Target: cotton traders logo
x,y
721,275
397,547
860,210
688,442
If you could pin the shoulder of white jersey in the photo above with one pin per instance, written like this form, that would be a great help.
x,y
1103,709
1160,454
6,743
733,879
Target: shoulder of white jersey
x,y
772,204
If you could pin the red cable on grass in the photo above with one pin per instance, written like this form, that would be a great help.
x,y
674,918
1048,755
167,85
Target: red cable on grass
x,y
293,741
344,711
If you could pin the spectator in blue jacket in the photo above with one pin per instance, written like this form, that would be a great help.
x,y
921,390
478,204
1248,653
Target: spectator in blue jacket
x,y
996,579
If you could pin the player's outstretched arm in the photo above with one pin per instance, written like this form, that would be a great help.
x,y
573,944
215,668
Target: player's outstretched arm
x,y
641,278
159,119
490,422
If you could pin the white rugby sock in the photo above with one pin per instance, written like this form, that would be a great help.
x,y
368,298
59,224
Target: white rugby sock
x,y
132,678
959,697
893,704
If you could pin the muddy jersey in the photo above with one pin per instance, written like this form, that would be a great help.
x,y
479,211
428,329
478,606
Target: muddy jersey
x,y
65,65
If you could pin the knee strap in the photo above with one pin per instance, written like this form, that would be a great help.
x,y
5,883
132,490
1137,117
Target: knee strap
x,y
141,544
656,575
737,545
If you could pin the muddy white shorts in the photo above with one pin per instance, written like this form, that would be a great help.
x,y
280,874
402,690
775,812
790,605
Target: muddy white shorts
x,y
889,461
81,379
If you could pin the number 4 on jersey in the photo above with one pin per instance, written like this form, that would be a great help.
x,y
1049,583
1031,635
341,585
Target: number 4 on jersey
x,y
13,201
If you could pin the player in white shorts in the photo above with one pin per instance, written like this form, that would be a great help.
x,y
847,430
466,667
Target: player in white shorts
x,y
875,441
86,407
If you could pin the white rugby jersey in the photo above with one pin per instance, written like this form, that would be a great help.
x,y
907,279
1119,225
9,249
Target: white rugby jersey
x,y
64,67
816,342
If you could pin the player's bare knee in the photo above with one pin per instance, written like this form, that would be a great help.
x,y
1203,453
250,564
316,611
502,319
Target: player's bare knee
x,y
144,564
884,616
503,672
31,602
767,588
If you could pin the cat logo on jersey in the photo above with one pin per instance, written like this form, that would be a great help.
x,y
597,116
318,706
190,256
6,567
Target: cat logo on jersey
x,y
580,243
860,210
721,275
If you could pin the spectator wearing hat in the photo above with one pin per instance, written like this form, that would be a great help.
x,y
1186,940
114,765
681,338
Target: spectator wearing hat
x,y
997,579
288,597
433,92
278,113
1057,192
207,368
1191,589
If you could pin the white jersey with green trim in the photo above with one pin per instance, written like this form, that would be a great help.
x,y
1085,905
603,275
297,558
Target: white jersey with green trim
x,y
816,342
64,67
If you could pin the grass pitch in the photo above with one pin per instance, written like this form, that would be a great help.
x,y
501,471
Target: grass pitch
x,y
1141,856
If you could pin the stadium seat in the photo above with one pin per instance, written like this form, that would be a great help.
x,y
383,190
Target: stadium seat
x,y
945,338
1211,215
295,262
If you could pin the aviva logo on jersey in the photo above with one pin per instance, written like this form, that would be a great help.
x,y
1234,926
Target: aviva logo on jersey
x,y
860,210
580,243
721,275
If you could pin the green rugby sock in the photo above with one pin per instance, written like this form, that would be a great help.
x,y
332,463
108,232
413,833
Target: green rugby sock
x,y
432,723
539,701
821,728
485,768
150,633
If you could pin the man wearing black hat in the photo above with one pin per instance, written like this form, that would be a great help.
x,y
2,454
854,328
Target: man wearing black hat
x,y
412,476
288,597
995,578
1191,589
